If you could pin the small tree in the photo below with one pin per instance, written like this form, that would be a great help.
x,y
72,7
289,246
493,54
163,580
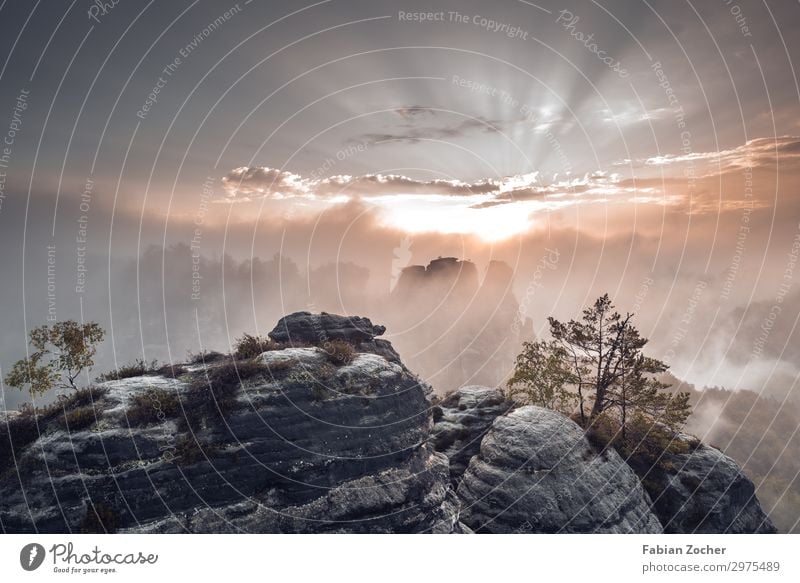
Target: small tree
x,y
541,377
60,353
600,358
603,346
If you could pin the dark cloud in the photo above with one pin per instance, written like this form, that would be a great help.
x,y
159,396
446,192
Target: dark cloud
x,y
409,111
381,184
414,134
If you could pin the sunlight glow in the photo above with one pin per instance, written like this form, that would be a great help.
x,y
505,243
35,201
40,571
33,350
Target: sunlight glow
x,y
455,215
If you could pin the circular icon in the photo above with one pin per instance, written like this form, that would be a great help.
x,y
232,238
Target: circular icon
x,y
31,556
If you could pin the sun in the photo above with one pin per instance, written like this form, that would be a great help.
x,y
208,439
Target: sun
x,y
455,215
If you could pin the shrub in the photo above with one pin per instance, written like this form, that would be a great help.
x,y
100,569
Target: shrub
x,y
137,368
278,366
213,395
21,430
602,433
646,443
26,410
80,398
188,450
448,399
694,444
233,373
99,519
339,352
80,418
15,434
300,377
205,357
322,385
319,392
172,370
541,377
153,406
250,346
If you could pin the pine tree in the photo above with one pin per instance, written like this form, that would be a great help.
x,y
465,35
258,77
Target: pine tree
x,y
599,359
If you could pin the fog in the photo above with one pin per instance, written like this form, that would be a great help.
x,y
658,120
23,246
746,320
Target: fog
x,y
165,285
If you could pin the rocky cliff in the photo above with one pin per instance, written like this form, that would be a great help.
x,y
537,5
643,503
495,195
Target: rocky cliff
x,y
535,471
461,421
301,439
703,491
328,431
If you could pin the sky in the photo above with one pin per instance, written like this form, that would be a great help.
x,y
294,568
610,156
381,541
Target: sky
x,y
653,145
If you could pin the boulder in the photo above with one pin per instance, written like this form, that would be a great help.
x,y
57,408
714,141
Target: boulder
x,y
460,422
703,491
537,472
302,328
305,327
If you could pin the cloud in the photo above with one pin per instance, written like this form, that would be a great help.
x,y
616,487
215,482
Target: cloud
x,y
756,153
249,182
590,187
422,122
252,182
409,111
387,184
630,115
662,181
246,184
413,134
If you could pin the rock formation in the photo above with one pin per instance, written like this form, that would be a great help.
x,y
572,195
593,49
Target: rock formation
x,y
537,472
456,329
330,432
293,442
305,327
302,328
703,491
536,464
461,421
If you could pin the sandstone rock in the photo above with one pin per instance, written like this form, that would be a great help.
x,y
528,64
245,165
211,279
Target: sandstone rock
x,y
305,327
300,440
302,445
536,472
385,502
461,421
703,491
